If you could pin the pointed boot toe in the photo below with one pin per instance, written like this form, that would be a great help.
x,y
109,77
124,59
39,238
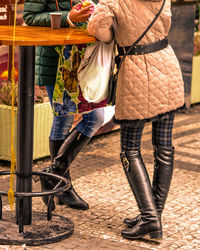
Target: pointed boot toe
x,y
142,228
71,199
128,233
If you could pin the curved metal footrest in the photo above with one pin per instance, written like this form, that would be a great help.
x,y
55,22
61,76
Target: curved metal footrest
x,y
50,193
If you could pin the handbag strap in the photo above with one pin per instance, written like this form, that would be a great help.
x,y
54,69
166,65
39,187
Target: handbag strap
x,y
143,34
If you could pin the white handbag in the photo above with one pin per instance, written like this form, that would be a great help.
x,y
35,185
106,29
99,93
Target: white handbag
x,y
94,71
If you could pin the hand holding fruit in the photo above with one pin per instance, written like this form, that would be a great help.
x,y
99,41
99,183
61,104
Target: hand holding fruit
x,y
85,3
82,11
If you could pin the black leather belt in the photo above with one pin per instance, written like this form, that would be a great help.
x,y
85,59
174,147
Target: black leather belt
x,y
145,49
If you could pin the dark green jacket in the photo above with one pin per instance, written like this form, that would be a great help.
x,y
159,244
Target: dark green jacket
x,y
36,13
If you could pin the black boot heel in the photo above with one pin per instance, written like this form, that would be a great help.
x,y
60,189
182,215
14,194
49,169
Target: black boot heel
x,y
156,235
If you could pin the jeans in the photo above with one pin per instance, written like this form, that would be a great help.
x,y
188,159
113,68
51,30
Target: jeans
x,y
62,125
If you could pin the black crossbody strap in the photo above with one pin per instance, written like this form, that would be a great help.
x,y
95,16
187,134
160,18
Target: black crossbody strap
x,y
143,34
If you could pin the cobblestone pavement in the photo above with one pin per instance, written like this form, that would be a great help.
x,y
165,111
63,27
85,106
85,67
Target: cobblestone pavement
x,y
99,178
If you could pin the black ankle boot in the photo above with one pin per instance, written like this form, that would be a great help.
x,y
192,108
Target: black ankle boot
x,y
139,182
163,170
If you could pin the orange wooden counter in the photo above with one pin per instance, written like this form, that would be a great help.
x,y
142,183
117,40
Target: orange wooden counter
x,y
32,36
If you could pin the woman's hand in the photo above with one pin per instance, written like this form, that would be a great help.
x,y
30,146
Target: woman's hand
x,y
80,16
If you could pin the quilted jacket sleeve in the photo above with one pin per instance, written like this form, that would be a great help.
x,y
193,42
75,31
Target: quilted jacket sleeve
x,y
101,22
36,13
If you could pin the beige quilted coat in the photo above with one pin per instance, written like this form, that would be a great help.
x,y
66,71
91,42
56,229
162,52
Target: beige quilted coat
x,y
149,84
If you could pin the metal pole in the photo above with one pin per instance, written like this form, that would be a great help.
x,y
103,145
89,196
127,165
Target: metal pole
x,y
25,131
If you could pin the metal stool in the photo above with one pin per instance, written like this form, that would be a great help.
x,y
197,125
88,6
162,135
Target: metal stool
x,y
50,193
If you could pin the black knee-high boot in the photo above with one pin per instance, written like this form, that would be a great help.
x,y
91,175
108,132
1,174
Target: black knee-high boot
x,y
46,182
66,154
139,182
163,170
62,154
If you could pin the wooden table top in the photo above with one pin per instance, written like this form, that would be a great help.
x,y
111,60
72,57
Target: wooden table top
x,y
31,36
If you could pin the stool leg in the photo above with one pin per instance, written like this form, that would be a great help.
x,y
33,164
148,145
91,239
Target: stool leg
x,y
0,208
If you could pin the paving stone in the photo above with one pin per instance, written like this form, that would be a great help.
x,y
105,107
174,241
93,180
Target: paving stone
x,y
99,178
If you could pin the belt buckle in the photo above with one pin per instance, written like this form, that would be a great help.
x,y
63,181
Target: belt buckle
x,y
126,163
